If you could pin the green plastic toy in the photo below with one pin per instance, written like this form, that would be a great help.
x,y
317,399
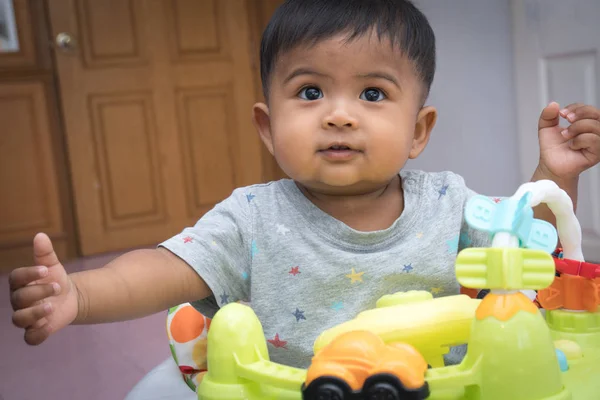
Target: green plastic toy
x,y
514,352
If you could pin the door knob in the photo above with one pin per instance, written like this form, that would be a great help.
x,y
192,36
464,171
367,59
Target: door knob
x,y
65,41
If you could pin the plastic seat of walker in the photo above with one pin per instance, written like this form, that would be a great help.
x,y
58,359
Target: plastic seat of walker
x,y
187,330
162,382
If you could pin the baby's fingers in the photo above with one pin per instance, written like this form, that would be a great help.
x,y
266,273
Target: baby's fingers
x,y
570,108
30,317
35,336
577,112
582,126
27,296
23,276
587,141
550,116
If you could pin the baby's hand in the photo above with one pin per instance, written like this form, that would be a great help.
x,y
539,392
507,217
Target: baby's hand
x,y
566,152
42,296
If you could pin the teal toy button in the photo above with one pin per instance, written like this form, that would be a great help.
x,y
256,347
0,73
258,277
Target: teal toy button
x,y
562,360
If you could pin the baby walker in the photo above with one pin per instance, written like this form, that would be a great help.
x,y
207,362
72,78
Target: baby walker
x,y
395,351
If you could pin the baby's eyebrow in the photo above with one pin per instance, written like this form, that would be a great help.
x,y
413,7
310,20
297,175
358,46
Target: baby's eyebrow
x,y
303,71
380,75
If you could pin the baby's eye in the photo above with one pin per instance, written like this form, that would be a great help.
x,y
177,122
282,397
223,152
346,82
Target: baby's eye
x,y
310,93
372,94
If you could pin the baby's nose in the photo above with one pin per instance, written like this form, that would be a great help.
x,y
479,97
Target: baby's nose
x,y
340,118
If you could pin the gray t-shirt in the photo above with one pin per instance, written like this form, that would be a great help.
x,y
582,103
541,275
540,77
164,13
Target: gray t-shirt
x,y
304,271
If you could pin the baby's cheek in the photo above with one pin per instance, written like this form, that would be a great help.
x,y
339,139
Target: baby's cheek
x,y
291,156
392,149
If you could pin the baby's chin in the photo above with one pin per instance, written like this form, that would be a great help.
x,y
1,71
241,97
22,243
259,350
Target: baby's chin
x,y
344,187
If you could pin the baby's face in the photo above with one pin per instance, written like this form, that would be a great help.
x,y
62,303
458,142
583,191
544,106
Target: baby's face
x,y
343,114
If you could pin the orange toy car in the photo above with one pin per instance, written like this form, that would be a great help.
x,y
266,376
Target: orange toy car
x,y
359,365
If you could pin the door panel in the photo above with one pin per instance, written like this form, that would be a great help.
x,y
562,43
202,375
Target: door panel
x,y
563,65
27,165
123,124
157,97
111,33
201,113
197,30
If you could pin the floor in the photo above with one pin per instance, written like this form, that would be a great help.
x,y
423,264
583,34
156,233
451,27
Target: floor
x,y
96,362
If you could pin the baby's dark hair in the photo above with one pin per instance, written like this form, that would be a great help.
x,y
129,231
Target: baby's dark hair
x,y
306,22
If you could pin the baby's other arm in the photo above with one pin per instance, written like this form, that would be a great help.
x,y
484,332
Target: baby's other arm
x,y
45,298
136,284
565,152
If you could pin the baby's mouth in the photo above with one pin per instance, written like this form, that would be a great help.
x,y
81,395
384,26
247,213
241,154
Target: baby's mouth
x,y
339,152
338,148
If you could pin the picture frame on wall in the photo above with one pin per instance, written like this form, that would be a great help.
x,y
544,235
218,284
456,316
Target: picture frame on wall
x,y
9,39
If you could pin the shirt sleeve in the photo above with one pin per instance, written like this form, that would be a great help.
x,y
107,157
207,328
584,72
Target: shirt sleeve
x,y
218,248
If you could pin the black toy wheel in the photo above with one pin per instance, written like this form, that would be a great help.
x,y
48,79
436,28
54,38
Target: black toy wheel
x,y
382,391
327,388
389,387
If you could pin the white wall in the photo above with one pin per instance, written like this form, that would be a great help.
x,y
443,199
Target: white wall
x,y
473,90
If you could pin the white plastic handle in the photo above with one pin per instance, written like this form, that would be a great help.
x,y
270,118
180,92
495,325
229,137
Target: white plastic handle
x,y
559,202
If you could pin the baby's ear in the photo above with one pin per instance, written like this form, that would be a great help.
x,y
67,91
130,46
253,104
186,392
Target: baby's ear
x,y
262,122
426,120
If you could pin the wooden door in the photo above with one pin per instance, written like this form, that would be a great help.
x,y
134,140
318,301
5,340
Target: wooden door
x,y
157,98
261,13
33,179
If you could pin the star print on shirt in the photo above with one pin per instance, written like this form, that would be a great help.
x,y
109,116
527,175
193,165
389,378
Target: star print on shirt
x,y
407,268
254,249
443,191
496,200
187,239
281,229
299,315
278,343
338,305
355,276
224,298
419,235
250,197
294,271
453,244
436,290
245,276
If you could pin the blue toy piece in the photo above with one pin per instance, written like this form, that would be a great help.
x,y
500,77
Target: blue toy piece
x,y
514,216
562,360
